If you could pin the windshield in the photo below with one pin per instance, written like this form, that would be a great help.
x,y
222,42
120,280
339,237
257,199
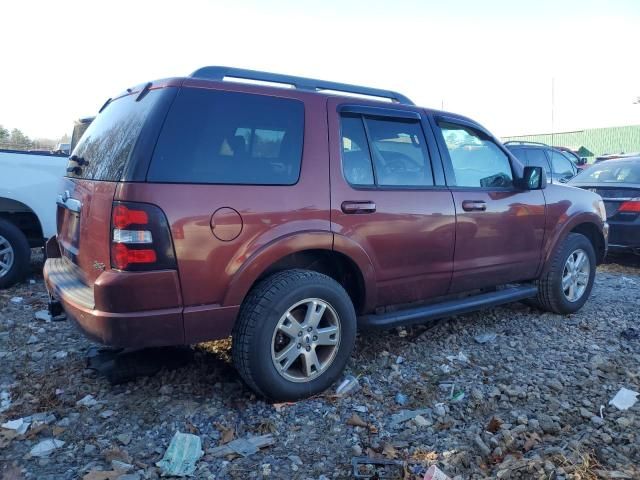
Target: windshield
x,y
612,172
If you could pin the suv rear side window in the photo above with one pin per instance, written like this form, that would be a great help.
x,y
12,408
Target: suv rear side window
x,y
398,148
477,161
107,143
222,137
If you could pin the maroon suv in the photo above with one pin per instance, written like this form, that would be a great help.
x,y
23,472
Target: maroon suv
x,y
197,208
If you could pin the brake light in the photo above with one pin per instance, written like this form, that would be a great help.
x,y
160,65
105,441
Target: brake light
x,y
122,256
122,217
630,206
140,238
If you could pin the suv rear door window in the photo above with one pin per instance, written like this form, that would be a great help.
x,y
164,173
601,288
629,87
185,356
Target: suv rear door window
x,y
477,161
399,153
356,161
219,137
398,148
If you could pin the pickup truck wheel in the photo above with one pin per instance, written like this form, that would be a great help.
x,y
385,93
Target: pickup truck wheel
x,y
14,254
567,285
294,335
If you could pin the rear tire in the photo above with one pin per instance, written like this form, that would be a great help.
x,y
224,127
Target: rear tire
x,y
294,335
15,254
566,286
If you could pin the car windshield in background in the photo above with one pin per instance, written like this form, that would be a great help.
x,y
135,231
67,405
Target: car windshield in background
x,y
612,172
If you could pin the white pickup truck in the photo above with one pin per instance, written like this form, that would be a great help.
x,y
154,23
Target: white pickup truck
x,y
29,185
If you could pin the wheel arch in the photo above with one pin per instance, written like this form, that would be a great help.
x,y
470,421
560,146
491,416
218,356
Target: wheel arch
x,y
588,224
311,251
24,218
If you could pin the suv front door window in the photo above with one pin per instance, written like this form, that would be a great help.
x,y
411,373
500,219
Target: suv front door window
x,y
563,169
499,228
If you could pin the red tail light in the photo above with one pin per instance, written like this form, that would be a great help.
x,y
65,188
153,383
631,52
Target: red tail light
x,y
122,217
630,206
140,238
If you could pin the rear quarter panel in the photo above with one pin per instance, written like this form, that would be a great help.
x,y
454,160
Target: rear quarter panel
x,y
219,273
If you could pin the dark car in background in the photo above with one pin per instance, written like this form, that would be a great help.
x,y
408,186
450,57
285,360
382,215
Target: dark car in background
x,y
559,167
580,162
618,183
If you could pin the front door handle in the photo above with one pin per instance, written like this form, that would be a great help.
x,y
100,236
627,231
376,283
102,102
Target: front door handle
x,y
358,206
474,206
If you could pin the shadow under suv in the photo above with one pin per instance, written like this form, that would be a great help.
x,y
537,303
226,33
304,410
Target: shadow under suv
x,y
197,208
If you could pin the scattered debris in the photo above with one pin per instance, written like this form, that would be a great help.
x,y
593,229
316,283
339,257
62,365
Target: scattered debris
x,y
406,415
401,398
16,300
347,386
485,337
5,401
624,399
182,455
494,425
87,401
46,447
377,468
460,357
434,473
243,446
20,426
356,421
43,316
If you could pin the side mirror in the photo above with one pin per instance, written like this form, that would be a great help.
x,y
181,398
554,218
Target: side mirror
x,y
582,161
533,178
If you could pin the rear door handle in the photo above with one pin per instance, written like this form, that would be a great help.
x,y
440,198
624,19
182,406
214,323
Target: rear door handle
x,y
474,206
358,206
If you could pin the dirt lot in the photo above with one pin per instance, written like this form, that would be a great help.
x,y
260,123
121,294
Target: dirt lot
x,y
531,401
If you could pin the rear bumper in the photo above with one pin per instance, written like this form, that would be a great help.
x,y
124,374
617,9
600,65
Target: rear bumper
x,y
120,310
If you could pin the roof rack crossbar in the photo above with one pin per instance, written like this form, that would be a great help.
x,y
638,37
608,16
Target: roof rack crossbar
x,y
220,73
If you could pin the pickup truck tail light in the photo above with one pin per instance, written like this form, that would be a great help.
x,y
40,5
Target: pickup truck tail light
x,y
630,206
140,238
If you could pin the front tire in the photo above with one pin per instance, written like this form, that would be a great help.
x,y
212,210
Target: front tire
x,y
567,284
294,335
14,254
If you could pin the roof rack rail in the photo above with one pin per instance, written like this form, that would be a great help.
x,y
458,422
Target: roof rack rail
x,y
524,142
220,73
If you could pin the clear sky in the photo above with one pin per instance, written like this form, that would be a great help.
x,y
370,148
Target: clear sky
x,y
492,60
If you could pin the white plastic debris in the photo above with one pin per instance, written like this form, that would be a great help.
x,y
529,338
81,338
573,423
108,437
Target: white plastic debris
x,y
461,357
347,386
5,401
182,455
434,473
46,447
43,316
16,300
86,401
624,399
20,425
485,337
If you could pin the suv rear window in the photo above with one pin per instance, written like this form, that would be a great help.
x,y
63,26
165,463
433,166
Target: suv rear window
x,y
221,137
107,143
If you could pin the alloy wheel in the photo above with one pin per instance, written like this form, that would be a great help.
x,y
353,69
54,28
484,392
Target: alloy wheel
x,y
306,340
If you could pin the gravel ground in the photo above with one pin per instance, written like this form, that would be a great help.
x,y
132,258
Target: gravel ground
x,y
531,402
